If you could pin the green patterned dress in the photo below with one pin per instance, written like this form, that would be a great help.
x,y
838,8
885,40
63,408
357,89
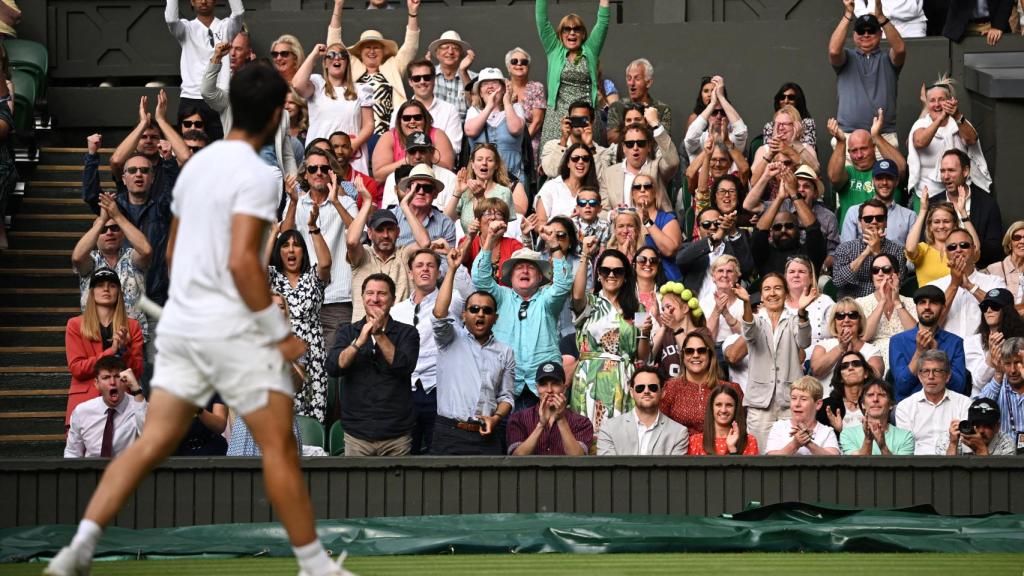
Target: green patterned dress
x,y
608,349
575,85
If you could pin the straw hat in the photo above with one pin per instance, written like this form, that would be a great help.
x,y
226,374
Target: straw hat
x,y
390,46
524,255
420,172
449,37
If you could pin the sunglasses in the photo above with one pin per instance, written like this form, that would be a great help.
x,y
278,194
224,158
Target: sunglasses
x,y
323,168
709,224
852,315
412,117
653,260
647,186
700,350
519,62
851,364
634,143
576,29
487,310
522,309
424,188
561,235
1017,237
788,97
110,228
986,306
881,269
282,54
334,54
872,218
961,245
579,158
192,123
783,226
415,79
593,203
718,112
138,169
195,149
641,388
864,31
609,272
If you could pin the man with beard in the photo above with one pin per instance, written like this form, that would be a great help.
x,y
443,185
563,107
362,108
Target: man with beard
x,y
885,177
475,373
104,426
341,144
336,214
644,431
781,227
852,260
637,150
907,348
550,428
983,210
1008,392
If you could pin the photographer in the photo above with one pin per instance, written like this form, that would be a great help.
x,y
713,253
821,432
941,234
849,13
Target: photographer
x,y
979,434
577,128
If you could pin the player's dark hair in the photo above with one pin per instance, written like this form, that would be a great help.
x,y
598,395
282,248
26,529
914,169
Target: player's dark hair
x,y
256,92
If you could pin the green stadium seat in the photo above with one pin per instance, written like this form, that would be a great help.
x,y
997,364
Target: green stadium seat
x,y
25,91
829,289
336,439
312,431
28,55
909,286
755,143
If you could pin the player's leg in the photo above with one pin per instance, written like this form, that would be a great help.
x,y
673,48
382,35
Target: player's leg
x,y
271,427
167,420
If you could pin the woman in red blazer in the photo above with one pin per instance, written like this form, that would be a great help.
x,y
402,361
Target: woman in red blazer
x,y
104,329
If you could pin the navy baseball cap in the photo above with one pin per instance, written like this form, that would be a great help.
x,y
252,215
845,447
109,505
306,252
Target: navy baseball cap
x,y
983,411
885,167
550,371
867,24
382,216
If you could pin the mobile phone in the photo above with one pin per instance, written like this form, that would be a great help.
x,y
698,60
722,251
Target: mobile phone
x,y
578,121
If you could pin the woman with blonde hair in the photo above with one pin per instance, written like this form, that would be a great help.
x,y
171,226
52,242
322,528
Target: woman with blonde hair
x,y
334,103
627,231
788,129
485,177
801,275
103,329
1011,267
286,53
846,322
929,257
528,93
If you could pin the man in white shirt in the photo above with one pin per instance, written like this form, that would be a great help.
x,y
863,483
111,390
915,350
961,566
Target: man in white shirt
x,y
419,150
104,426
197,38
644,431
421,78
220,332
802,435
928,412
965,288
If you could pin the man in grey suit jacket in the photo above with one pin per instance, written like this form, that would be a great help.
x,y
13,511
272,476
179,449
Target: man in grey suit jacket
x,y
643,431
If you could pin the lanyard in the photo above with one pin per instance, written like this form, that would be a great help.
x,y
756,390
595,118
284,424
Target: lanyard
x,y
1011,406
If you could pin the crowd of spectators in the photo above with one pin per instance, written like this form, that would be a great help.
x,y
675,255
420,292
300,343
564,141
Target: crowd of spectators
x,y
495,258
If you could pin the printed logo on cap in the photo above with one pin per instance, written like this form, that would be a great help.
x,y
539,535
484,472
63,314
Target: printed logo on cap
x,y
993,293
548,368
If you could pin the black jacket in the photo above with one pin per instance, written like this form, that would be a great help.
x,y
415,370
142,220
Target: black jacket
x,y
987,221
959,13
692,259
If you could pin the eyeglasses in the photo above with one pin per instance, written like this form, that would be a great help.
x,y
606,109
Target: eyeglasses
x,y
576,159
653,260
986,306
881,269
701,350
783,226
416,79
872,218
852,315
646,186
709,224
961,245
412,117
641,388
138,169
931,371
519,61
281,54
730,191
718,112
334,54
634,143
323,168
522,309
625,210
487,310
851,364
576,29
110,228
192,123
493,214
561,235
593,202
609,272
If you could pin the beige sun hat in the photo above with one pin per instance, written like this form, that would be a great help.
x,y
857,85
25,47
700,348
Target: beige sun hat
x,y
805,172
449,37
420,172
524,255
390,46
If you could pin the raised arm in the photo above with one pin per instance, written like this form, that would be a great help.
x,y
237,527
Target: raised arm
x,y
138,240
837,162
579,283
80,256
836,54
884,148
354,253
897,47
419,233
91,172
212,94
181,152
914,236
324,260
131,141
301,81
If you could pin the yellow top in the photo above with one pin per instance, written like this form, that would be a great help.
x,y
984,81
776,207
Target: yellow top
x,y
930,264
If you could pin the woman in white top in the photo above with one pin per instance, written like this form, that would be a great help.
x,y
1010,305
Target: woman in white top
x,y
942,127
722,308
888,313
557,197
846,320
1011,268
800,274
334,103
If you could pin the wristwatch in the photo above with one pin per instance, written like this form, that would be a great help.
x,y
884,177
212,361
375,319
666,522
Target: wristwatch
x,y
135,392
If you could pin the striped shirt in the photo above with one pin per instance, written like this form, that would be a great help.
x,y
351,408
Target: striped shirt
x,y
452,91
437,224
1011,405
333,230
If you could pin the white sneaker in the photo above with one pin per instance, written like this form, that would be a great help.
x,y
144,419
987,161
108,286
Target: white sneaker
x,y
338,570
68,562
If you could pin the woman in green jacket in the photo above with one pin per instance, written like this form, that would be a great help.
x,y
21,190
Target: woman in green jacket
x,y
572,63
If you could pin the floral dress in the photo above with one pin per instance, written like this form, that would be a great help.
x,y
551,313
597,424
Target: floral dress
x,y
608,348
574,85
304,302
534,98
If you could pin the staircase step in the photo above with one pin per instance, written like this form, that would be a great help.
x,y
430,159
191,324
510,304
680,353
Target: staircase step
x,y
65,204
29,403
79,223
29,240
28,316
40,422
26,297
65,172
38,278
35,258
26,356
32,335
35,446
29,381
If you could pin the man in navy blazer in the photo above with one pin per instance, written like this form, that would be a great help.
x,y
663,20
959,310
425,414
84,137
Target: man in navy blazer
x,y
694,258
982,208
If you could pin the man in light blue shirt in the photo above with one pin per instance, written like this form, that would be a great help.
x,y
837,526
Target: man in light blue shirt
x,y
1008,392
527,311
899,219
475,373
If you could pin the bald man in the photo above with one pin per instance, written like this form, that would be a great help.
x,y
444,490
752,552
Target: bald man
x,y
853,182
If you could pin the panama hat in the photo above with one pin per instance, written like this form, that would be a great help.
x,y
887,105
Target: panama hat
x,y
420,172
449,37
524,255
390,46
